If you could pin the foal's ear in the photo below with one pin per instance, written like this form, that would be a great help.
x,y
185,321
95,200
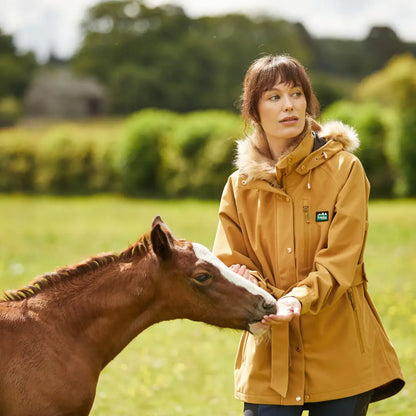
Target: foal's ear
x,y
161,239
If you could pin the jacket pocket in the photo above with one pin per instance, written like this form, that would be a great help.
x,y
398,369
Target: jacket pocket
x,y
351,298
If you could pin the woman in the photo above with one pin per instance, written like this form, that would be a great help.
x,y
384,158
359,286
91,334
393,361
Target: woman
x,y
293,218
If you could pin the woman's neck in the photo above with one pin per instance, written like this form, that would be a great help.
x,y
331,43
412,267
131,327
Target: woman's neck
x,y
279,148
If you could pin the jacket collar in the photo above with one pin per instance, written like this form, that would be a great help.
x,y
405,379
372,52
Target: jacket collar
x,y
255,163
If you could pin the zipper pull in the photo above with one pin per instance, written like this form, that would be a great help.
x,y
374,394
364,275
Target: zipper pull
x,y
306,211
351,298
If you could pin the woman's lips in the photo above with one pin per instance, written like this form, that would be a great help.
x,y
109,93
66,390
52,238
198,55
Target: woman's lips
x,y
289,120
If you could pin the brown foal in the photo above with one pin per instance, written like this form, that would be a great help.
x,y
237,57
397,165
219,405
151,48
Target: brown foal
x,y
59,332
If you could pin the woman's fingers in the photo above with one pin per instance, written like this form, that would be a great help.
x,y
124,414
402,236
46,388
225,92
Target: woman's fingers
x,y
243,271
287,309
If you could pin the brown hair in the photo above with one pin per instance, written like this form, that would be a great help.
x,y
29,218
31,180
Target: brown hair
x,y
262,76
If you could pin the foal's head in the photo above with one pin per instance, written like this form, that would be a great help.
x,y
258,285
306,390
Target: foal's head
x,y
196,285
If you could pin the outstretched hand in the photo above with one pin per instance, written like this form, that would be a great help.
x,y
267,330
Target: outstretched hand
x,y
287,309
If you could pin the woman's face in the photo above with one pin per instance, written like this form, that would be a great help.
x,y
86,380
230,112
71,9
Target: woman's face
x,y
282,111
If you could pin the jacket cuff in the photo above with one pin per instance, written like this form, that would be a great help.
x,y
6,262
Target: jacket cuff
x,y
303,295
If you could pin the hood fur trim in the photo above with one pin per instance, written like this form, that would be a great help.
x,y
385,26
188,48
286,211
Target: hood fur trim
x,y
253,158
341,133
254,164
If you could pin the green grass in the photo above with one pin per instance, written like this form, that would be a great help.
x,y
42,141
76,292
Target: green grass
x,y
182,367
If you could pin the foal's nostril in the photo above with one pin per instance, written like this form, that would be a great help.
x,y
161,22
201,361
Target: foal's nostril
x,y
269,307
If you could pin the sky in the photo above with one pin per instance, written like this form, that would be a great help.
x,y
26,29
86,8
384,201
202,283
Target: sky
x,y
46,26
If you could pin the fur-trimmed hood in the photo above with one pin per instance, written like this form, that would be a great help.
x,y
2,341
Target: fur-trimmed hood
x,y
255,162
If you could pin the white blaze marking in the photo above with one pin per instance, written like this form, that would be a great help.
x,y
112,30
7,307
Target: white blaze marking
x,y
204,254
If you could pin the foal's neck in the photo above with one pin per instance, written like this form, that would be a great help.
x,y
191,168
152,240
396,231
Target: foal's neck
x,y
125,306
108,308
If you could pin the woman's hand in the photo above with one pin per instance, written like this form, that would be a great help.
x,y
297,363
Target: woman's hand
x,y
287,308
243,271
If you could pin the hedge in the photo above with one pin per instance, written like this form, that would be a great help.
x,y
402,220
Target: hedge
x,y
196,158
151,153
160,153
62,158
370,124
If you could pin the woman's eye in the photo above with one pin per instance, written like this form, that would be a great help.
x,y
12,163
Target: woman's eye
x,y
297,94
203,277
274,98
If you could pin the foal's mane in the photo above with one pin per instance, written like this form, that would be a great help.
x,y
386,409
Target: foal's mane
x,y
136,250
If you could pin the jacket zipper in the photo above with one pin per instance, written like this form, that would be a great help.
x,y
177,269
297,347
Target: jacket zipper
x,y
306,211
357,322
306,233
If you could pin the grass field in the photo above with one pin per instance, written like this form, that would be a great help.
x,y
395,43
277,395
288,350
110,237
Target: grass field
x,y
181,367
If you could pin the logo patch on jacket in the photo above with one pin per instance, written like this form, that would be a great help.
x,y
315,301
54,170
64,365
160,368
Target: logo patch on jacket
x,y
322,216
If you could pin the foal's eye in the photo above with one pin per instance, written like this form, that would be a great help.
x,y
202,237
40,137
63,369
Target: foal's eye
x,y
202,277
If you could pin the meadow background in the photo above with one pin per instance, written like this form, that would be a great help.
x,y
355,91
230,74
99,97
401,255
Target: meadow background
x,y
182,367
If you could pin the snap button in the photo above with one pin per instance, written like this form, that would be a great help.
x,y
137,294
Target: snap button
x,y
307,396
303,167
298,398
298,349
243,182
289,250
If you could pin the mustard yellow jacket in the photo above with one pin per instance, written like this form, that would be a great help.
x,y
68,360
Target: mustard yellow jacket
x,y
300,226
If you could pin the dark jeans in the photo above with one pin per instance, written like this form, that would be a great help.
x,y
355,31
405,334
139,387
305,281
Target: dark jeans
x,y
349,406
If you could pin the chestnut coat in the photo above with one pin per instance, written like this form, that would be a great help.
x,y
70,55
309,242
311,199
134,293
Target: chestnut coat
x,y
300,227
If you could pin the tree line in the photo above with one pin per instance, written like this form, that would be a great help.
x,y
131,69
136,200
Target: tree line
x,y
160,57
16,71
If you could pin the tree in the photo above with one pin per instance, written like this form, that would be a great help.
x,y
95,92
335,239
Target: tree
x,y
16,70
381,44
394,87
368,120
16,73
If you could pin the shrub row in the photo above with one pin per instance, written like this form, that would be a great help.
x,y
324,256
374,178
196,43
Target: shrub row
x,y
387,149
152,153
178,155
161,153
375,151
59,159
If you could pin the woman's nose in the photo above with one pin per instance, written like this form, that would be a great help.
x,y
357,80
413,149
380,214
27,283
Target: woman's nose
x,y
287,103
